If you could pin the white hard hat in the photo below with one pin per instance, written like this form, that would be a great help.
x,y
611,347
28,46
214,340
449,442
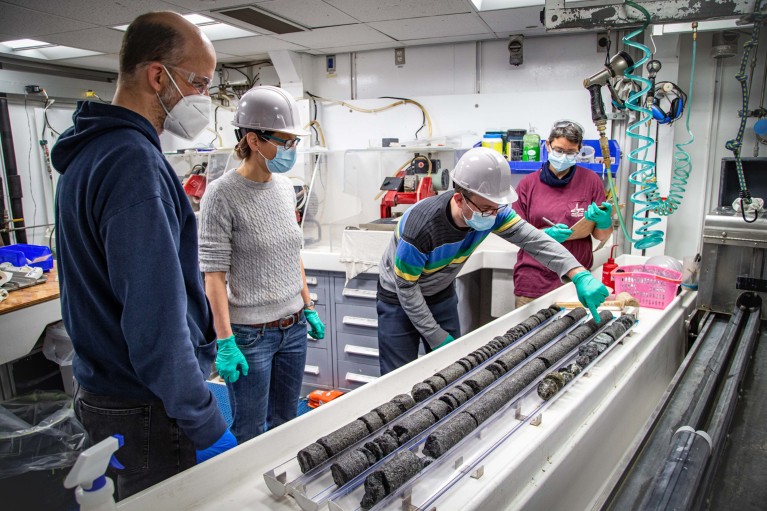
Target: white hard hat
x,y
485,172
268,108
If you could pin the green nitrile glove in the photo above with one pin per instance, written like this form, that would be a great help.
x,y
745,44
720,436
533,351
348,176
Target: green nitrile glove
x,y
230,361
602,217
447,341
591,292
318,328
559,232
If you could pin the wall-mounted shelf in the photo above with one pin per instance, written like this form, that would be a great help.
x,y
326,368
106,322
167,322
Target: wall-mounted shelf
x,y
528,167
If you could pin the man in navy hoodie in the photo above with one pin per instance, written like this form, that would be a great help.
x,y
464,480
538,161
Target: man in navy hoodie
x,y
131,293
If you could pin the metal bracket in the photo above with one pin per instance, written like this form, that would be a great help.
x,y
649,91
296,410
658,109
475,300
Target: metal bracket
x,y
536,421
617,116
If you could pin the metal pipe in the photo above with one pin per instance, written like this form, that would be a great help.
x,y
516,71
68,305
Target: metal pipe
x,y
478,68
715,114
12,178
353,73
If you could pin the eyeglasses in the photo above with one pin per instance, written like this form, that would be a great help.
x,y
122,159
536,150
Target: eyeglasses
x,y
560,153
200,83
566,123
289,143
488,211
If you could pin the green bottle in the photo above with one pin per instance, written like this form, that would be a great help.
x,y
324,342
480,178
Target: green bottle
x,y
531,146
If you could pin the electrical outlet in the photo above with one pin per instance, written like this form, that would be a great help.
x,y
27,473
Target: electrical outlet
x,y
33,89
399,56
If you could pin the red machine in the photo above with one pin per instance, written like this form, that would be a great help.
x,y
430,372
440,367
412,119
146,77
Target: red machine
x,y
408,185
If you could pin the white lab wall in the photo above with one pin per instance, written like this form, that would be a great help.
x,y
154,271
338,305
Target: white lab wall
x,y
444,78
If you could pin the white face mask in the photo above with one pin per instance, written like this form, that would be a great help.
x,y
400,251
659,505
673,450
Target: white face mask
x,y
189,117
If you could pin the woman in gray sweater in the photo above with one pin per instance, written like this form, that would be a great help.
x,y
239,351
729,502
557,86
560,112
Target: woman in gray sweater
x,y
250,252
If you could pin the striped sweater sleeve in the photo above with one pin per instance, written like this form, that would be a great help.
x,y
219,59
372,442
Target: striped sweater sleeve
x,y
409,262
535,242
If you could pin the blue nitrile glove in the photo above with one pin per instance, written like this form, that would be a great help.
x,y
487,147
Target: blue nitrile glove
x,y
447,341
226,442
318,328
602,217
230,361
559,232
591,292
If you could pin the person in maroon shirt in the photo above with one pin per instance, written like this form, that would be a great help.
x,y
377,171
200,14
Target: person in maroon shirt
x,y
563,193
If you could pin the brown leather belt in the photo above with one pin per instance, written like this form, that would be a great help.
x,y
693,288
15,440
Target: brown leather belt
x,y
282,323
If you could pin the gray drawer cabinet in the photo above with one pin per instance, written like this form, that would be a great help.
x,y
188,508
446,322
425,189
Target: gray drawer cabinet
x,y
348,355
356,331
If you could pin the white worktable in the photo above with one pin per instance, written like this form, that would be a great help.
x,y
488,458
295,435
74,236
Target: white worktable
x,y
561,464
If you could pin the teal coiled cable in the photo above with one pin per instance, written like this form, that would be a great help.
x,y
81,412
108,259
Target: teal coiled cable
x,y
682,160
644,175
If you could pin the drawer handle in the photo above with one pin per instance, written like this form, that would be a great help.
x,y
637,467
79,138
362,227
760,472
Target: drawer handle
x,y
313,297
361,350
315,370
357,321
360,378
312,281
359,293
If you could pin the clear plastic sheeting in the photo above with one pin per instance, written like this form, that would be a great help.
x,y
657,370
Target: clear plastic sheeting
x,y
39,431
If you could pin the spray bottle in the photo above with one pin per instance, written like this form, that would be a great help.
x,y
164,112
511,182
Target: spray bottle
x,y
94,489
607,270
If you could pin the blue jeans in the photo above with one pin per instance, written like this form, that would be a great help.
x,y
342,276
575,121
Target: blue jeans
x,y
268,395
155,447
398,339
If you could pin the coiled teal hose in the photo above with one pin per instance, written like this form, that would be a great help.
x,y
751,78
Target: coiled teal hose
x,y
644,175
682,160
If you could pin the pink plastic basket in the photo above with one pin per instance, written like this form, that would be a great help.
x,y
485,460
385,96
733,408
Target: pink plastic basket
x,y
653,286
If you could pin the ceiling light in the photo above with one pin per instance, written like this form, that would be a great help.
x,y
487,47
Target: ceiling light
x,y
24,44
703,26
494,5
214,29
34,49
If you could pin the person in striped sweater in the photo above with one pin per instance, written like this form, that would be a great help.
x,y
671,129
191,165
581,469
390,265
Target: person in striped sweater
x,y
416,299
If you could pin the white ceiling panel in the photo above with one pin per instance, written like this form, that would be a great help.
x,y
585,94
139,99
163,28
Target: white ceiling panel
x,y
435,26
513,20
337,36
381,10
98,12
309,13
206,5
252,45
102,62
105,40
33,24
226,58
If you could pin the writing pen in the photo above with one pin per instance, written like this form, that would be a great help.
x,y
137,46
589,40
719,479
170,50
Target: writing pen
x,y
548,221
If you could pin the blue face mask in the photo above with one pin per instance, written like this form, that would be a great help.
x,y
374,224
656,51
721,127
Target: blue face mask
x,y
561,163
479,222
283,161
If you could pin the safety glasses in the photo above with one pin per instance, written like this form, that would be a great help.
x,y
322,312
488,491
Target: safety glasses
x,y
289,143
564,123
485,212
200,83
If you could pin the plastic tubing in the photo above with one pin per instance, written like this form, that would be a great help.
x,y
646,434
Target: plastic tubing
x,y
644,176
682,160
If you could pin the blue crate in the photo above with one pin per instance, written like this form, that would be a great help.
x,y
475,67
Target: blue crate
x,y
528,167
27,253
